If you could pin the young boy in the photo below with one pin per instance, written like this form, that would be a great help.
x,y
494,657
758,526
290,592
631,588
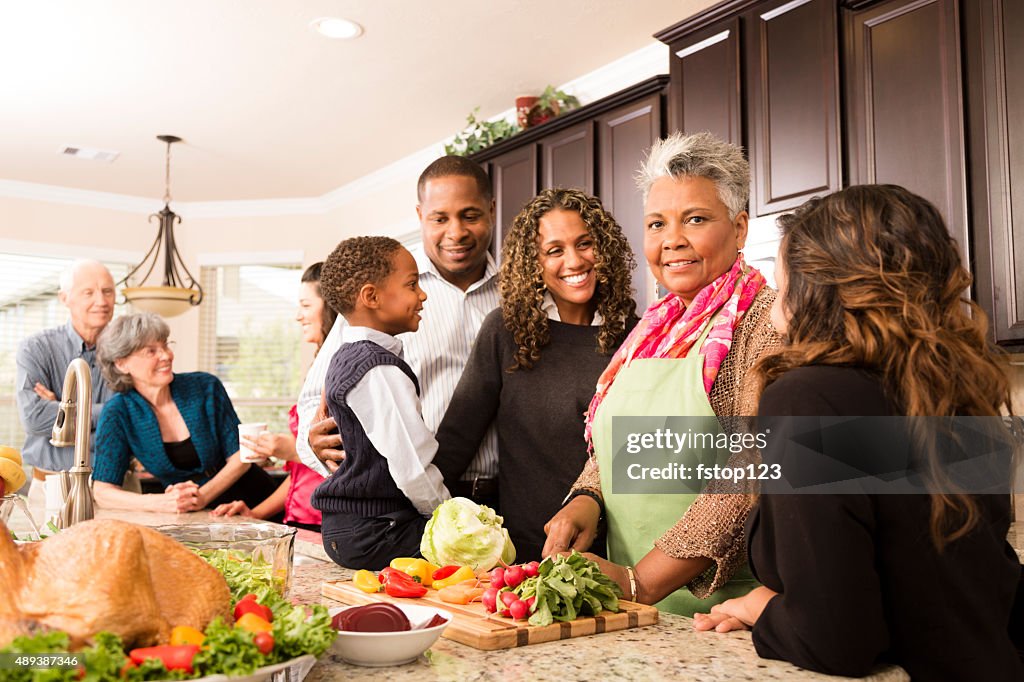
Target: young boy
x,y
376,504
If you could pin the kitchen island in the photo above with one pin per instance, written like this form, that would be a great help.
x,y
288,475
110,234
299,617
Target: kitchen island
x,y
671,649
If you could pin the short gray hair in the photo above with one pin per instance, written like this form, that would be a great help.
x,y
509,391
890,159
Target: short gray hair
x,y
122,337
701,156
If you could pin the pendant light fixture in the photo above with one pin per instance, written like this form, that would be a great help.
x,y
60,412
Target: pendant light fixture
x,y
175,295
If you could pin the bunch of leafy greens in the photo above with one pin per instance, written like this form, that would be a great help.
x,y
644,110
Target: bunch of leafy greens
x,y
226,650
467,534
567,587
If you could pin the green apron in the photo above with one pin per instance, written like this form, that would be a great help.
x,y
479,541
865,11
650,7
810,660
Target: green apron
x,y
655,387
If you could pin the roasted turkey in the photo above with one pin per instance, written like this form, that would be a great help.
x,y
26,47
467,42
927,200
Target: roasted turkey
x,y
106,575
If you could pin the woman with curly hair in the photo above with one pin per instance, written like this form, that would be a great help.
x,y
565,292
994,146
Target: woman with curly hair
x,y
566,305
689,356
873,301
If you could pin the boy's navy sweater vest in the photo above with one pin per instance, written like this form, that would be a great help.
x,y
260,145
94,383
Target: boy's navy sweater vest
x,y
362,484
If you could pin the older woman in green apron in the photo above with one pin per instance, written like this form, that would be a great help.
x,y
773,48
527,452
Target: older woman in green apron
x,y
688,356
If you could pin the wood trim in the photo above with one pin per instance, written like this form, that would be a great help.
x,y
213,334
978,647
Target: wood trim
x,y
655,84
712,15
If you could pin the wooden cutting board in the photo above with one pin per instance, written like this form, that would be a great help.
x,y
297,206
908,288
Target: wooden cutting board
x,y
473,626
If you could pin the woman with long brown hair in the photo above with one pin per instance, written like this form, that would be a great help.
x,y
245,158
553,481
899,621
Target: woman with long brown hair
x,y
566,306
873,301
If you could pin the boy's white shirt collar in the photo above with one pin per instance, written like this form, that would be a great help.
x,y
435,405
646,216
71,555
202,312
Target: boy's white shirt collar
x,y
350,334
550,308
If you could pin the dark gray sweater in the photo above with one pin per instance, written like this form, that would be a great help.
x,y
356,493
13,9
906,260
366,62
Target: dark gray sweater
x,y
539,412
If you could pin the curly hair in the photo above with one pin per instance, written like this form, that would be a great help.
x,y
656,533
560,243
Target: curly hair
x,y
875,281
311,275
353,264
521,277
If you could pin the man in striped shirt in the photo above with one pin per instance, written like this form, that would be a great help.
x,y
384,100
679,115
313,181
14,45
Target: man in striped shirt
x,y
456,210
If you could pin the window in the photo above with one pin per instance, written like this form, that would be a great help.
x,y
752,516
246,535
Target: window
x,y
28,304
249,338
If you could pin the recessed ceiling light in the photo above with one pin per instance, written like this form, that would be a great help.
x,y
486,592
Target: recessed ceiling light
x,y
342,29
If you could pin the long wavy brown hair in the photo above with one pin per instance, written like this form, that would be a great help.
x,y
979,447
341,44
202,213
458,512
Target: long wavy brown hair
x,y
875,281
522,285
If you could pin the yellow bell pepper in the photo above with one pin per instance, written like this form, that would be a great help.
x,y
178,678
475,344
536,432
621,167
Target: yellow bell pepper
x,y
366,581
253,623
183,634
417,568
464,573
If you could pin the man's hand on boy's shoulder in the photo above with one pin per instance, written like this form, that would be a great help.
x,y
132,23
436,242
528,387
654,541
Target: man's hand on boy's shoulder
x,y
324,439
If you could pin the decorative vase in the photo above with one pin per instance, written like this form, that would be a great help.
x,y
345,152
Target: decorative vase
x,y
524,105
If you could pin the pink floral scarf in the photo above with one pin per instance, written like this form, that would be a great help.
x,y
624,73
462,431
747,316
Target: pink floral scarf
x,y
669,329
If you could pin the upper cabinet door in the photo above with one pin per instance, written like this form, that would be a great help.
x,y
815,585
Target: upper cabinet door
x,y
705,72
995,62
793,103
905,103
514,177
567,158
624,137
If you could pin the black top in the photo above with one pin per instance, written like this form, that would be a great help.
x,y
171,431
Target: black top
x,y
539,414
183,454
858,577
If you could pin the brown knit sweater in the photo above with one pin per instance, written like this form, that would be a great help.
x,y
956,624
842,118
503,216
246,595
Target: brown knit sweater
x,y
713,525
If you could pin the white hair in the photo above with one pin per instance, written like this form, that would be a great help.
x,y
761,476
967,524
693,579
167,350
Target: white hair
x,y
67,276
701,155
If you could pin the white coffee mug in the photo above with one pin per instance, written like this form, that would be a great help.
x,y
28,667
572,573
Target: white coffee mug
x,y
252,430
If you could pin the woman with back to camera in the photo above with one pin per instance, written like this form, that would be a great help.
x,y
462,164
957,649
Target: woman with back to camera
x,y
873,302
689,356
292,496
566,305
181,427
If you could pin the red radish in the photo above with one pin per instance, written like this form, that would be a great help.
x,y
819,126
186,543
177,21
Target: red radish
x,y
530,601
504,613
514,575
498,577
508,597
531,569
518,609
489,598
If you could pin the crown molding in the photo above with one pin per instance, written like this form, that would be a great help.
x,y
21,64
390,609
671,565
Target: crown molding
x,y
55,194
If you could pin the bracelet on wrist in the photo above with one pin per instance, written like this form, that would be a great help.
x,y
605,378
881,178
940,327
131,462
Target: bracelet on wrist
x,y
587,493
632,583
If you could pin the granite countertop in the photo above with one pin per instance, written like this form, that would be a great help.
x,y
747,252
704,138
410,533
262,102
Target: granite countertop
x,y
670,649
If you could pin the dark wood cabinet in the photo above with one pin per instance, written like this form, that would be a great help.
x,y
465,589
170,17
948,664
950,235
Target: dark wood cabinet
x,y
624,135
514,178
792,67
567,158
995,62
905,122
705,69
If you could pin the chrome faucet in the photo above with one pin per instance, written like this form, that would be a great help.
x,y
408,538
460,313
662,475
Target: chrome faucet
x,y
74,421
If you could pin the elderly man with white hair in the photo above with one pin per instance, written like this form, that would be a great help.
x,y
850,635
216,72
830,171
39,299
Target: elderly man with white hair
x,y
87,289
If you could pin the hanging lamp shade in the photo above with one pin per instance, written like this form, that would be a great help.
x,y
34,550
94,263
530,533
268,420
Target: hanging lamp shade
x,y
178,290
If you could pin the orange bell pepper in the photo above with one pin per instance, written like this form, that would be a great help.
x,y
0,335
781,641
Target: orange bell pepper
x,y
184,634
253,623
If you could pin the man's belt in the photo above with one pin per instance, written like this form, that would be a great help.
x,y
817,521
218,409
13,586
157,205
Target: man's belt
x,y
476,488
41,474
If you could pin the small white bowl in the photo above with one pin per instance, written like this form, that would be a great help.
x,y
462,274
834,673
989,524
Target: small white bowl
x,y
378,649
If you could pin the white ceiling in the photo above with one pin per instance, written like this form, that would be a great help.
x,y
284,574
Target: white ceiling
x,y
268,108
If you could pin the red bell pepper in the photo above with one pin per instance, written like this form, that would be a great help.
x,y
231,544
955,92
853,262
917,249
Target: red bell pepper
x,y
252,606
399,584
445,571
173,657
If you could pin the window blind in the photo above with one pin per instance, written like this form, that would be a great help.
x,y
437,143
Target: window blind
x,y
250,340
28,304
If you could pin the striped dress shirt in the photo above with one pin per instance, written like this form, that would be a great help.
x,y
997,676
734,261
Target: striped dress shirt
x,y
437,353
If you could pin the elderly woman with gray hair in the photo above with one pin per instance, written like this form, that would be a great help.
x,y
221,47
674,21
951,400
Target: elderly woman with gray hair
x,y
689,356
181,427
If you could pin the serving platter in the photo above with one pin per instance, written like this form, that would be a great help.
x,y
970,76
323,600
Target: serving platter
x,y
294,670
473,626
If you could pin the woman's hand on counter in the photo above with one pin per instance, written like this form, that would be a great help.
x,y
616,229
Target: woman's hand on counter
x,y
182,497
236,508
735,614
